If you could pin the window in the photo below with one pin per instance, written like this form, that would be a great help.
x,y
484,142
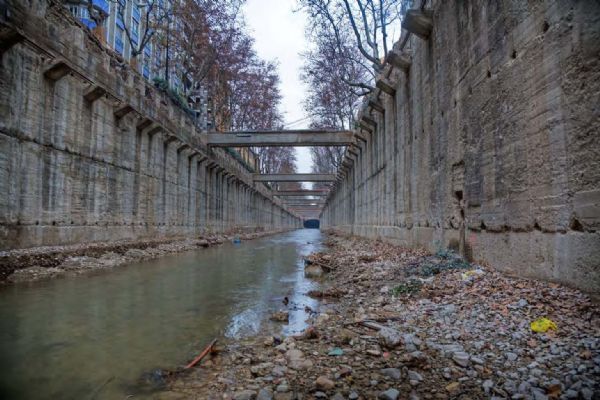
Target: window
x,y
135,13
119,40
148,51
157,58
120,13
74,10
146,71
135,28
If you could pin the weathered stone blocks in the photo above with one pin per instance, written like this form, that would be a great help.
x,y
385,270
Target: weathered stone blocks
x,y
490,142
90,152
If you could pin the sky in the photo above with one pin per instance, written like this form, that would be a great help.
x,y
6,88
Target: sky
x,y
279,34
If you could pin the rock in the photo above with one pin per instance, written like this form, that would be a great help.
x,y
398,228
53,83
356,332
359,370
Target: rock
x,y
324,383
245,395
411,342
280,316
477,360
416,359
322,318
522,303
587,394
453,387
414,377
279,371
448,310
294,354
353,396
538,395
300,364
261,369
282,388
390,394
461,358
571,394
309,333
264,394
389,337
487,386
511,356
313,271
510,386
373,352
320,395
393,373
338,396
135,253
281,348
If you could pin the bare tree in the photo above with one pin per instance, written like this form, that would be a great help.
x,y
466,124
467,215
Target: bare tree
x,y
155,18
358,33
203,39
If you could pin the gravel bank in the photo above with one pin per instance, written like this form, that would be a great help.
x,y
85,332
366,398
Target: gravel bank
x,y
25,265
403,324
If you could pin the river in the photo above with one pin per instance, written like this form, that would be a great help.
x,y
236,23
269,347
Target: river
x,y
96,336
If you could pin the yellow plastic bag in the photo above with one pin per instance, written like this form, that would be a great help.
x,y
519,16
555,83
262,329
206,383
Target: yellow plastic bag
x,y
542,325
472,273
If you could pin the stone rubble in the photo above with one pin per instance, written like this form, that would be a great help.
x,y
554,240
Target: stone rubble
x,y
404,324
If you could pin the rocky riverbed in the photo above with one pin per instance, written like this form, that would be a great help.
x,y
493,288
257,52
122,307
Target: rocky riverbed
x,y
404,324
25,265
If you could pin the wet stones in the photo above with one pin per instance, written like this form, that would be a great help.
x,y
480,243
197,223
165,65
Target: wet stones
x,y
313,271
280,316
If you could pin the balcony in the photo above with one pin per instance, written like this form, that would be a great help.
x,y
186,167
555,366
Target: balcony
x,y
101,4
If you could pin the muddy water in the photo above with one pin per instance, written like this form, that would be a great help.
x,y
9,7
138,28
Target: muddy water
x,y
99,336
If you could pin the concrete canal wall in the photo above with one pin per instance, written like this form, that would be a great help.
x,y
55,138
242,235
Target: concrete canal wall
x,y
488,141
90,151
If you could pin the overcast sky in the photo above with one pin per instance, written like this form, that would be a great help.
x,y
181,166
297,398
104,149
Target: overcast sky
x,y
279,34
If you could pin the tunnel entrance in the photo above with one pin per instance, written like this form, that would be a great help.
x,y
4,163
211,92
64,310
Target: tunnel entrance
x,y
312,224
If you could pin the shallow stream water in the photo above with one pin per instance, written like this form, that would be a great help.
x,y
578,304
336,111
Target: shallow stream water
x,y
98,336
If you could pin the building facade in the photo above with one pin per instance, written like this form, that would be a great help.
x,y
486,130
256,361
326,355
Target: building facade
x,y
119,24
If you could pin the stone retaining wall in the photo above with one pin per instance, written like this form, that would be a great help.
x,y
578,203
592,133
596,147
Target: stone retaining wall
x,y
90,151
488,142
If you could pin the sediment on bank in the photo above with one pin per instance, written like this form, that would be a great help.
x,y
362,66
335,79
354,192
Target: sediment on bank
x,y
52,261
401,323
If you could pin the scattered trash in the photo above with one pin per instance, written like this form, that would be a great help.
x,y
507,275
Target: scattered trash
x,y
542,325
237,240
207,350
470,275
336,351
